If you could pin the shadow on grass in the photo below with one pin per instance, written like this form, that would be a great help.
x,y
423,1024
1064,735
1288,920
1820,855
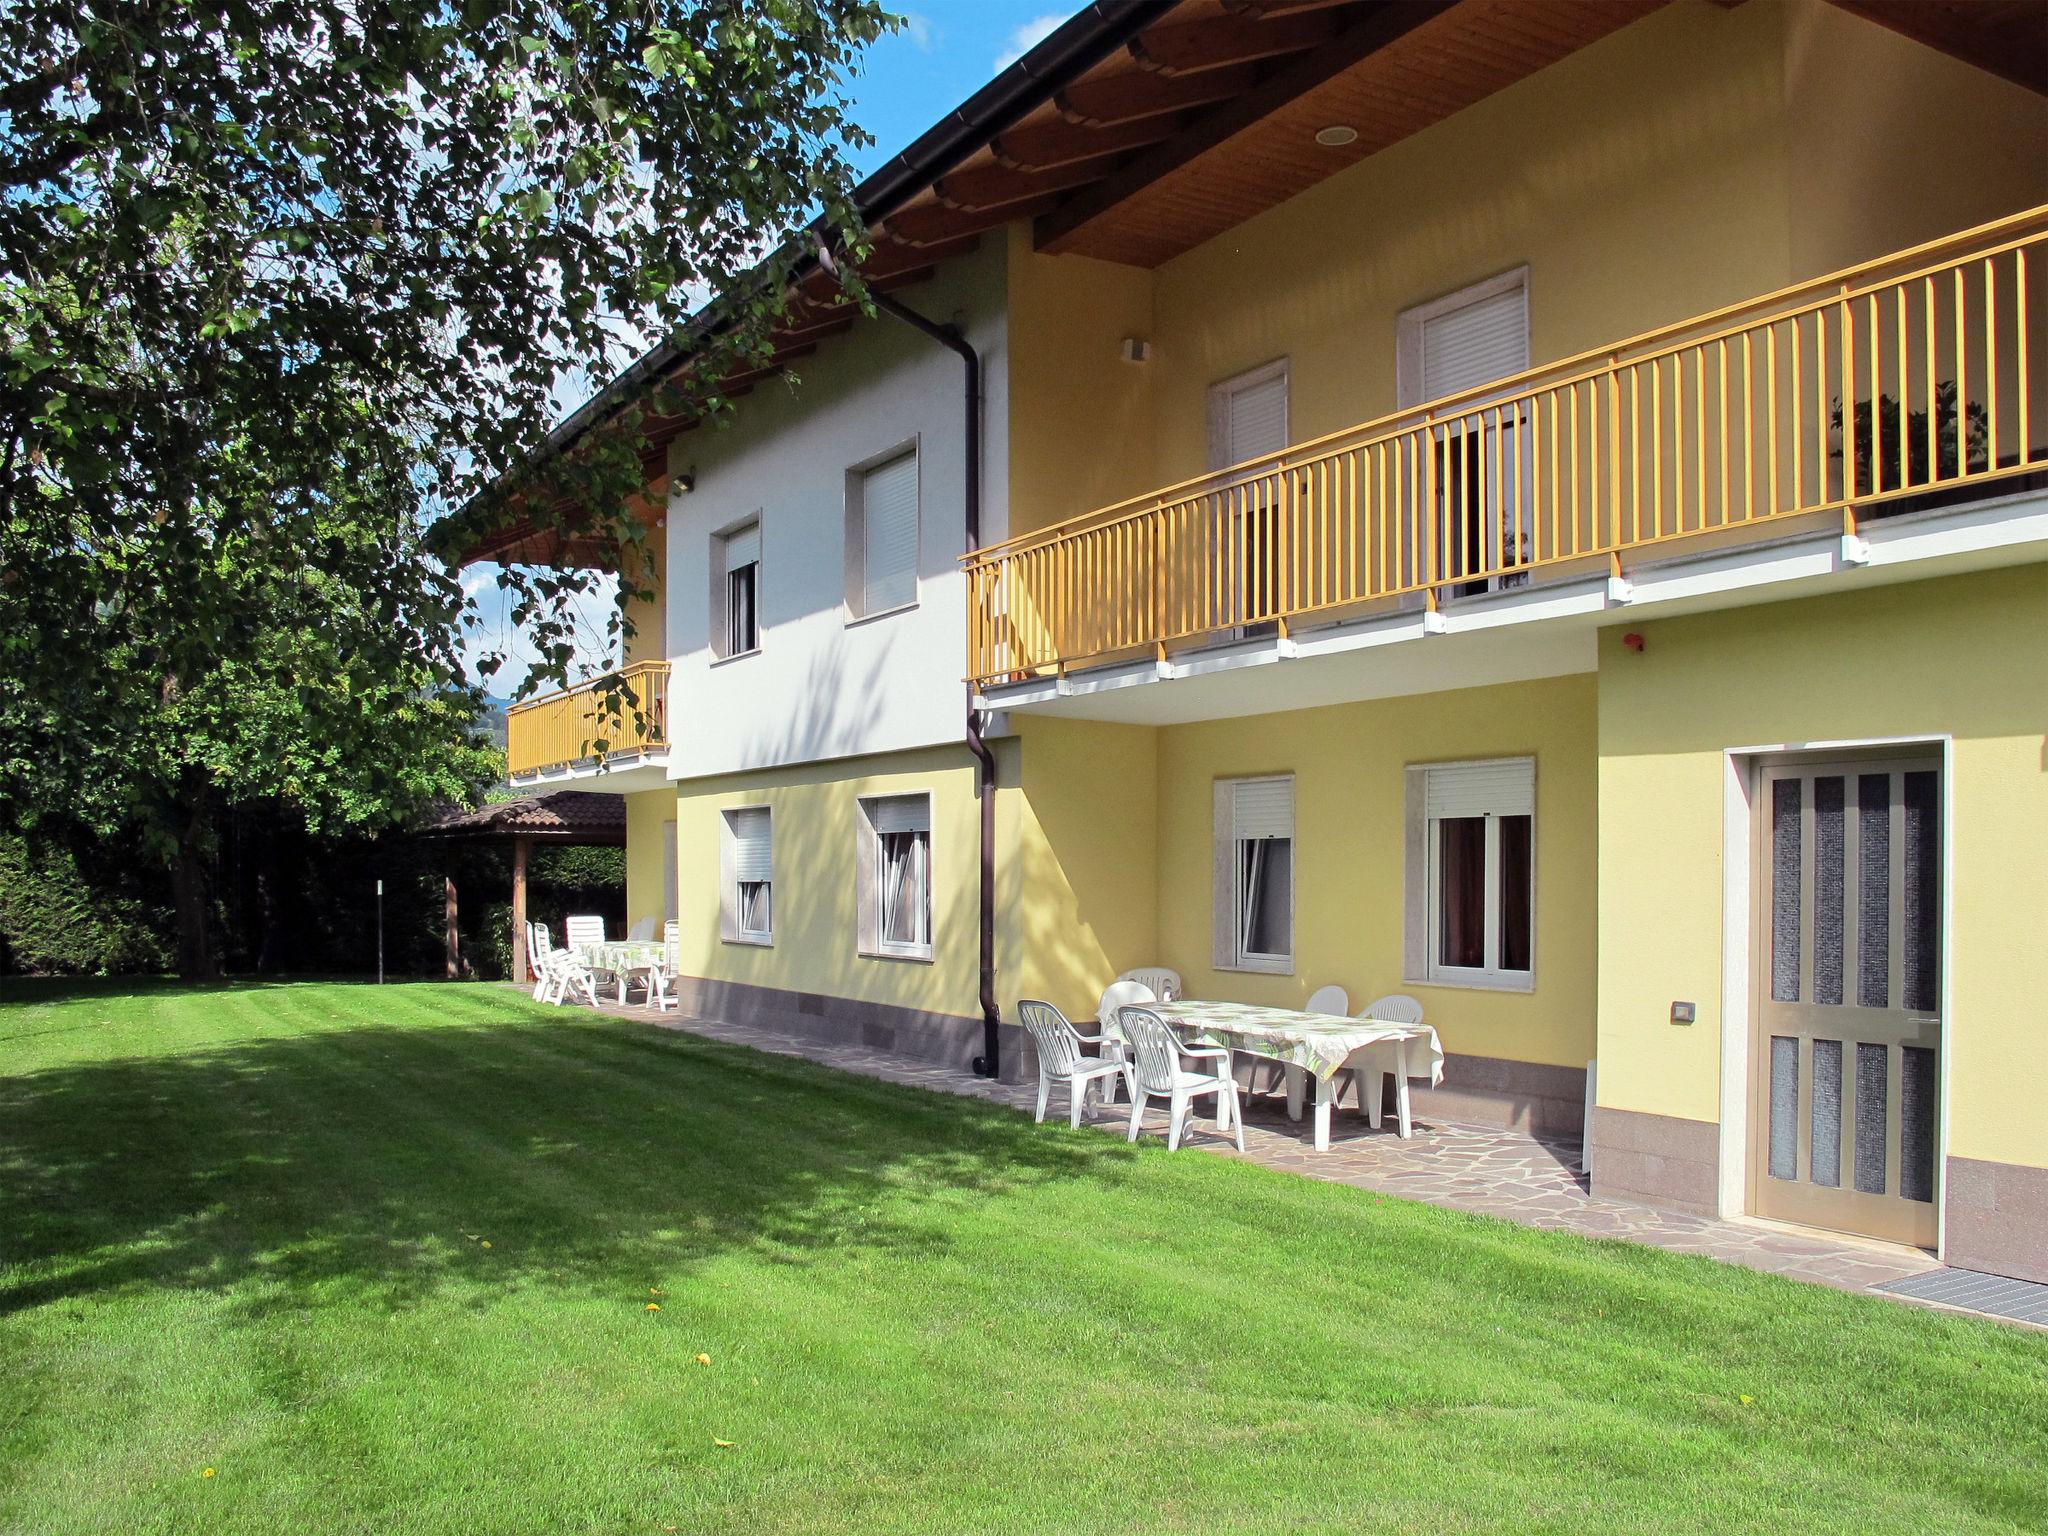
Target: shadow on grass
x,y
376,1159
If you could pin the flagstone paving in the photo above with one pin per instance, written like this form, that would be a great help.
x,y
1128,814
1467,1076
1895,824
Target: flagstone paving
x,y
1492,1172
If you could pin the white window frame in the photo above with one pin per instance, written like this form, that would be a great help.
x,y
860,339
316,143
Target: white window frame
x,y
722,648
1219,408
732,929
1408,328
856,536
1422,962
1228,882
870,870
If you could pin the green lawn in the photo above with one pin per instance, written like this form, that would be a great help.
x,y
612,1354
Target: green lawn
x,y
383,1260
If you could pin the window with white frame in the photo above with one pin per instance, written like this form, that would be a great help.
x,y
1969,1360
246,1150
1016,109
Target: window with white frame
x,y
881,534
894,867
1471,873
1254,874
1248,420
736,591
747,896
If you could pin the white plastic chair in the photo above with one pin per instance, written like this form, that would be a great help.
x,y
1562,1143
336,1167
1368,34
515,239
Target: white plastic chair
x,y
584,929
1369,1067
1159,1069
560,970
1331,1000
1165,984
1120,993
1061,1059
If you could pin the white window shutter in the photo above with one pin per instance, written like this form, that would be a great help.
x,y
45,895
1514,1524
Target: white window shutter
x,y
1262,808
1485,340
1258,419
902,813
889,535
1483,789
753,853
743,547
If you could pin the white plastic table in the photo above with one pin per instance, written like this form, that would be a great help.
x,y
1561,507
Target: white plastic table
x,y
622,957
1314,1047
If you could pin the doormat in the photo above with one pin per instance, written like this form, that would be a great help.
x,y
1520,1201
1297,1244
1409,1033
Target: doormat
x,y
2021,1300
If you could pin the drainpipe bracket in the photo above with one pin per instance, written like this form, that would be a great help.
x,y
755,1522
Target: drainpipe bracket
x,y
1855,549
1434,622
1620,591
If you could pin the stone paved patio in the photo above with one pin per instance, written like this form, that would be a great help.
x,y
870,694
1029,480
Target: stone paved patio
x,y
1508,1174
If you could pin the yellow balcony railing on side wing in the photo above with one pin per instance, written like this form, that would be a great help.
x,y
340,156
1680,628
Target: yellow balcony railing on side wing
x,y
581,725
1727,427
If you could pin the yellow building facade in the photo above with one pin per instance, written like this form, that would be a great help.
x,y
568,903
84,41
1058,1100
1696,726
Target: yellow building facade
x,y
1698,158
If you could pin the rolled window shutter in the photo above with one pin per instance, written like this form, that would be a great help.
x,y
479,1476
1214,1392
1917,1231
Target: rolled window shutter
x,y
1262,808
743,547
889,533
753,854
1486,340
1258,420
1483,789
902,813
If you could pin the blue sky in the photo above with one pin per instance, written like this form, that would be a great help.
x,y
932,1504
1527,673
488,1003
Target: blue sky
x,y
945,51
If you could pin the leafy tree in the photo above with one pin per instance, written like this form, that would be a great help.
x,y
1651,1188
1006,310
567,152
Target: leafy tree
x,y
283,280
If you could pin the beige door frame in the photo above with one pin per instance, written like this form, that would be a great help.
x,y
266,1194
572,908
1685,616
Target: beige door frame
x,y
1741,880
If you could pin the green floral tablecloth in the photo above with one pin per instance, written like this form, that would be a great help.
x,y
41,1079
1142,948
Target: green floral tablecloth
x,y
622,955
1318,1043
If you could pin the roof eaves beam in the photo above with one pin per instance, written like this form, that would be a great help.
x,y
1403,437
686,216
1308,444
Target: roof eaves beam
x,y
1056,231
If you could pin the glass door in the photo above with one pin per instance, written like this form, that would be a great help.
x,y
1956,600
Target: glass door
x,y
1845,1058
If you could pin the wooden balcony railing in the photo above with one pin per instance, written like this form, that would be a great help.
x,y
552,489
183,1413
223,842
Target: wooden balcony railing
x,y
1730,424
582,725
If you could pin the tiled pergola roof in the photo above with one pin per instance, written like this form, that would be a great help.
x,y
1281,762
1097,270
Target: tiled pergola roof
x,y
562,816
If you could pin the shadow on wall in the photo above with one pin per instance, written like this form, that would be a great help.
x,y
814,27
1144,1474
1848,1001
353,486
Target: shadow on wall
x,y
837,705
374,1161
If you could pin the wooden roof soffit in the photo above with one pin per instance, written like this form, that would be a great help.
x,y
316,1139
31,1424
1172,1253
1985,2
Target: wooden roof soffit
x,y
2007,38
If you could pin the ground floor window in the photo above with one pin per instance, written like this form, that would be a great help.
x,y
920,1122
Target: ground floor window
x,y
894,868
1254,865
747,894
1471,872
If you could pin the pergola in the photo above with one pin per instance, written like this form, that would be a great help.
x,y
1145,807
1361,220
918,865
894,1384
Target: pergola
x,y
573,816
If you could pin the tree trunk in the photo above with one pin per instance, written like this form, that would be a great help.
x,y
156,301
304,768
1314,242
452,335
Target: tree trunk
x,y
197,960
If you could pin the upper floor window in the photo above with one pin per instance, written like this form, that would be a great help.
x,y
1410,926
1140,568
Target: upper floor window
x,y
1463,340
1254,874
1471,875
894,867
1248,415
736,591
881,534
746,905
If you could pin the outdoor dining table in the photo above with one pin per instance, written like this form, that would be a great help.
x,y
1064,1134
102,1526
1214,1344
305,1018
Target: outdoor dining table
x,y
621,957
1313,1046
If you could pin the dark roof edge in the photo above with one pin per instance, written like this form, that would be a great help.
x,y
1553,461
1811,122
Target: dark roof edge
x,y
1071,49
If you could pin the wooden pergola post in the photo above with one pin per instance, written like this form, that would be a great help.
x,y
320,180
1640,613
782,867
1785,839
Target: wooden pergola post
x,y
520,847
454,938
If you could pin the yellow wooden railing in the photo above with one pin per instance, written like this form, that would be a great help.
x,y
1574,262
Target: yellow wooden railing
x,y
582,725
1728,425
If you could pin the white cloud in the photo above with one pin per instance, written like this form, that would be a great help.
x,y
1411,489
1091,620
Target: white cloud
x,y
919,30
1027,37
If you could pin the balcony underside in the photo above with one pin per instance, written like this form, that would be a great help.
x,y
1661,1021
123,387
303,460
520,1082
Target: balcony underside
x,y
1546,629
623,773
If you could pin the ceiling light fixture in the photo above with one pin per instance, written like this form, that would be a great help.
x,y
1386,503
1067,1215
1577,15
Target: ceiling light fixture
x,y
1336,136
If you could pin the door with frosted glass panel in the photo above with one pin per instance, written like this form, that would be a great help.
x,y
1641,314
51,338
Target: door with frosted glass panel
x,y
1846,1056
